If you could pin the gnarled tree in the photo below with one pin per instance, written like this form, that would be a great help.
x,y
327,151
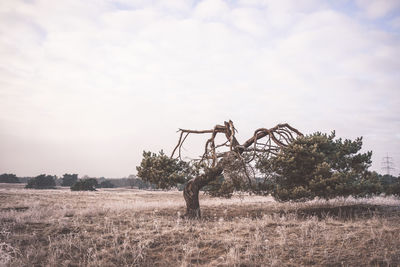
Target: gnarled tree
x,y
279,161
230,158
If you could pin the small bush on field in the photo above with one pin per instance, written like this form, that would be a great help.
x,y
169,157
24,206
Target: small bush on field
x,y
42,181
69,179
394,188
106,184
9,178
89,184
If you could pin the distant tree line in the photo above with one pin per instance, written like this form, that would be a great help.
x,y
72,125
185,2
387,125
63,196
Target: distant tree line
x,y
378,183
9,178
44,181
87,184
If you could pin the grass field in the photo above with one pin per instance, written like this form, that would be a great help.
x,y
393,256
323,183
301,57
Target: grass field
x,y
125,227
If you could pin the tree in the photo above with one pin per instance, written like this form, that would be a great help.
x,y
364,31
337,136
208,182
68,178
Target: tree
x,y
106,184
394,189
69,179
228,158
317,165
131,182
9,178
87,184
42,181
391,184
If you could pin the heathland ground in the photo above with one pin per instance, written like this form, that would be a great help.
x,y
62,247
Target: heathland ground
x,y
126,227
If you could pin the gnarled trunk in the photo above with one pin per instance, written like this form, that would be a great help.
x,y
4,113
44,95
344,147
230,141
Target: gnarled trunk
x,y
275,139
192,188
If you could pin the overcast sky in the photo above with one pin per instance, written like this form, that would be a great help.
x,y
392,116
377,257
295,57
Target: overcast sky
x,y
86,86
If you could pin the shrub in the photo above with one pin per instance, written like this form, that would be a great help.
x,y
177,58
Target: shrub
x,y
88,184
106,184
42,181
9,178
393,188
69,179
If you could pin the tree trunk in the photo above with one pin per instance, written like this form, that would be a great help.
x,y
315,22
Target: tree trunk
x,y
276,138
192,188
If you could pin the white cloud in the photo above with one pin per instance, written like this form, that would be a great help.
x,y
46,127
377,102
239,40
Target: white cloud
x,y
100,81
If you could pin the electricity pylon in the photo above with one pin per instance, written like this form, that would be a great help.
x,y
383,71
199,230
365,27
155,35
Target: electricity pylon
x,y
387,164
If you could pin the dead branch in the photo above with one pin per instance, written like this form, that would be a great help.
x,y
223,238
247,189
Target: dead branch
x,y
264,140
226,157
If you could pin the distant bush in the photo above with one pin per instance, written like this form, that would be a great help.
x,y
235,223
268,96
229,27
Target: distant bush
x,y
144,185
69,179
9,178
42,181
132,182
106,184
393,188
88,184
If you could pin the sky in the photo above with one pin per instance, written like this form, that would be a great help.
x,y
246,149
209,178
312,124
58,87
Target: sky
x,y
86,86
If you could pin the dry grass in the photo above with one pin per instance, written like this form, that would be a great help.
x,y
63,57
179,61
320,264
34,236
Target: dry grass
x,y
123,227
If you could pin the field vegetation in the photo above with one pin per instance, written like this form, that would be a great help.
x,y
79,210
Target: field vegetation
x,y
126,227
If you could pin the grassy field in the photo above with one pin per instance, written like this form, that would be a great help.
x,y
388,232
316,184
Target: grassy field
x,y
125,227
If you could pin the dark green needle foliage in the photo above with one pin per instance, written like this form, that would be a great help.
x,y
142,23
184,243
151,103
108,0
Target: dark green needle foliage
x,y
318,165
42,181
9,178
391,185
163,171
69,179
106,184
88,184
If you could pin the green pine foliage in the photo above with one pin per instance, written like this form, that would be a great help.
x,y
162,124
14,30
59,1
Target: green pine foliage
x,y
88,184
42,181
9,178
106,184
163,171
318,165
391,185
69,179
220,188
